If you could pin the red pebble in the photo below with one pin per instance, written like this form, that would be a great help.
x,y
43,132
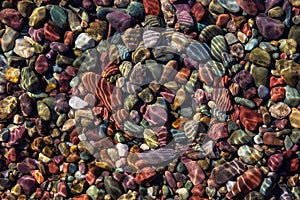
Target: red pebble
x,y
198,11
68,38
12,18
249,118
277,93
90,178
145,175
222,19
275,81
11,155
152,7
247,30
50,32
198,190
41,64
294,165
62,189
53,168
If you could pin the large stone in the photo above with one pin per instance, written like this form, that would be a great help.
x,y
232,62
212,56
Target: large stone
x,y
271,29
260,57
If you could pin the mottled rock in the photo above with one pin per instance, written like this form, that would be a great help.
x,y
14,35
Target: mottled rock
x,y
270,28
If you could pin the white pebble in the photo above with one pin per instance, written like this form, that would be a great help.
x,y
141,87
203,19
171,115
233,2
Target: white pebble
x,y
84,42
122,149
77,103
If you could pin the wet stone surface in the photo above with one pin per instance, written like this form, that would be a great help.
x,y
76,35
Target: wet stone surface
x,y
149,99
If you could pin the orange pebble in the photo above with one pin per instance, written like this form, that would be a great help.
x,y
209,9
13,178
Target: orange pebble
x,y
38,176
68,38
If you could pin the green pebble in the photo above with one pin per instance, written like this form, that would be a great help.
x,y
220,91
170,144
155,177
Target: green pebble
x,y
72,168
58,16
85,156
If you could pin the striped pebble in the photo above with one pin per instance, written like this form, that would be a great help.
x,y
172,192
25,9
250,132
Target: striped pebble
x,y
151,38
218,46
250,180
209,32
228,171
222,99
198,52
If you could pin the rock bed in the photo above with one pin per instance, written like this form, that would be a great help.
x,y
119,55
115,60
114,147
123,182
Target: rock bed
x,y
170,99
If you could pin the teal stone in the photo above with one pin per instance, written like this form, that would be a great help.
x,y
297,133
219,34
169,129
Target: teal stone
x,y
72,168
85,156
251,44
239,137
144,123
295,136
119,137
292,96
268,47
188,185
70,178
136,10
232,126
244,102
266,186
59,16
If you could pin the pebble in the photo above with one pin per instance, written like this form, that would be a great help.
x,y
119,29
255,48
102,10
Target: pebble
x,y
260,57
58,16
280,110
248,6
276,12
112,187
77,103
37,16
270,28
8,39
250,180
249,155
294,118
12,18
23,48
97,98
13,75
28,184
292,96
8,107
43,111
84,41
26,7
